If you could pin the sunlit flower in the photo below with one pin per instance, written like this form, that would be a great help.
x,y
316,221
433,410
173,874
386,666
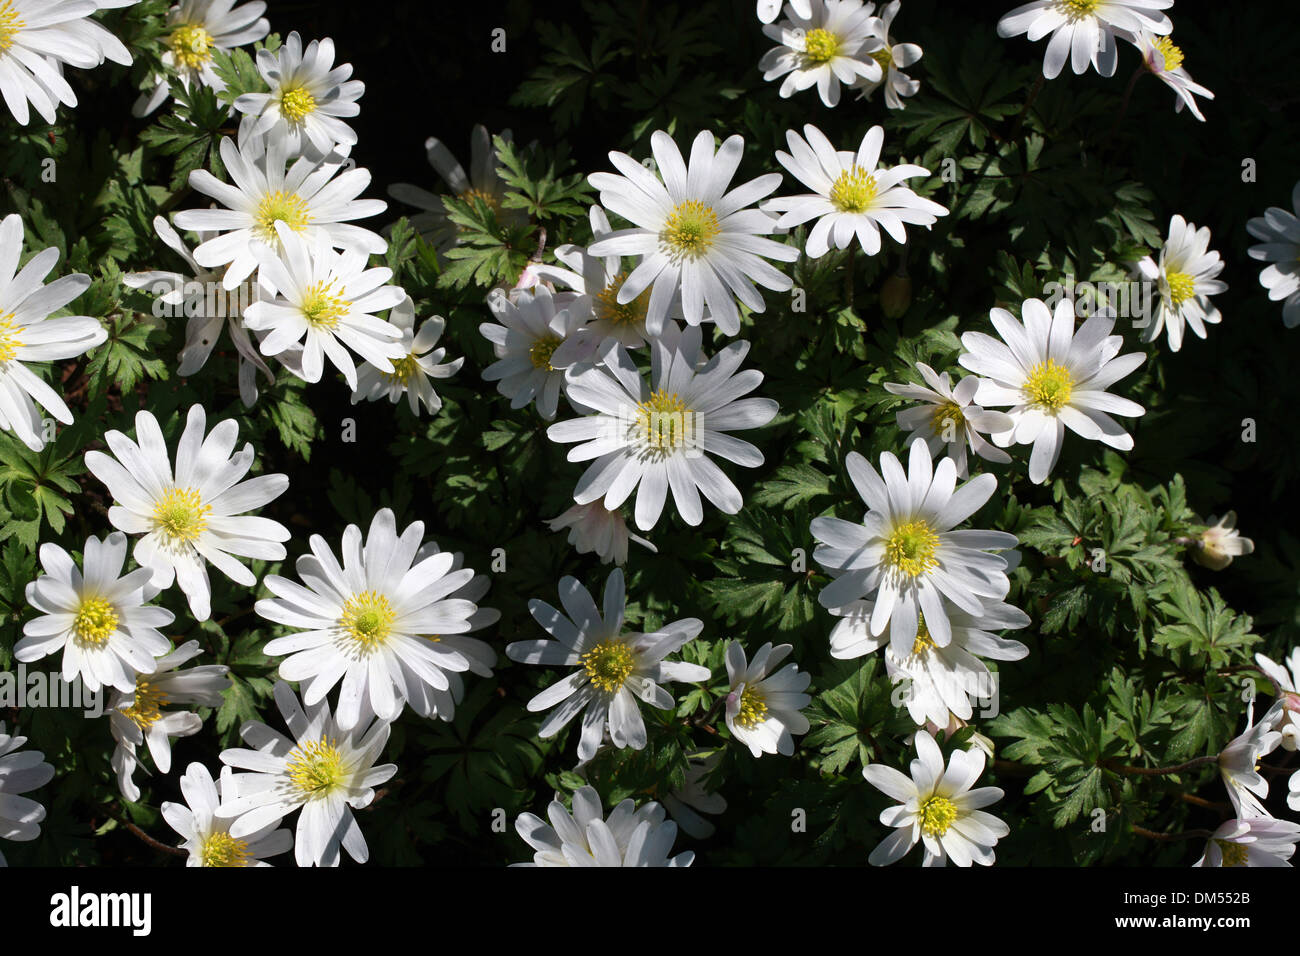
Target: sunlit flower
x,y
585,837
528,332
948,419
1220,543
1254,841
1279,235
36,38
769,10
832,42
764,704
207,836
20,817
1184,277
1165,61
1084,31
1239,762
893,58
413,371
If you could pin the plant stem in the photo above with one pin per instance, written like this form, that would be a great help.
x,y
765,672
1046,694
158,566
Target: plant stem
x,y
1161,771
1185,835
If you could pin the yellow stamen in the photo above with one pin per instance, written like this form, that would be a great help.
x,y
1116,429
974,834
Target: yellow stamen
x,y
1049,386
937,815
280,206
1181,287
910,548
947,416
11,339
753,708
664,421
540,352
404,369
148,704
367,619
854,190
885,57
1078,9
821,45
181,515
1234,854
191,45
924,642
95,622
221,849
690,229
608,665
316,768
295,104
1172,55
608,308
323,306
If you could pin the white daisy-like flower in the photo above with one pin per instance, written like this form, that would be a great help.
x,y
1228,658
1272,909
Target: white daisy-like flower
x,y
28,334
949,420
1084,31
769,10
850,197
36,38
208,306
1184,277
1287,686
763,704
1220,543
1279,235
907,551
529,329
137,718
687,803
1164,60
414,369
308,98
207,836
322,769
696,239
831,44
593,527
311,197
628,837
937,808
1054,378
615,668
20,817
1239,762
1254,841
376,622
196,29
893,58
91,31
99,619
196,514
325,301
661,436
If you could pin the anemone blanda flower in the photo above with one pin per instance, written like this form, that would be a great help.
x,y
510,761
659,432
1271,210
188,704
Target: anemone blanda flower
x,y
1054,378
28,334
1220,543
696,238
908,553
20,817
99,618
1287,686
829,44
197,28
937,808
593,527
585,837
376,622
194,515
1165,61
311,197
307,101
528,332
36,38
207,836
763,703
414,369
92,32
321,769
1184,277
1239,761
1279,235
615,668
661,436
1254,841
850,197
893,58
948,419
1084,31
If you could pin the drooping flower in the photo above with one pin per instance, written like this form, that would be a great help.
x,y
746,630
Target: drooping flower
x,y
1239,761
413,370
1221,542
831,43
20,817
1165,61
949,420
893,58
207,836
764,704
1084,31
1253,841
1279,235
585,837
1185,279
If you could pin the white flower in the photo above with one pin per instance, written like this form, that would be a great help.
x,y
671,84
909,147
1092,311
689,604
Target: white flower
x,y
1165,61
1287,686
1220,543
686,805
528,332
764,704
662,435
1239,762
615,669
326,301
937,808
20,817
94,33
200,296
99,620
696,239
27,334
312,198
1185,279
893,58
949,419
829,44
906,551
137,719
321,769
629,837
413,369
1084,31
850,197
376,622
593,527
36,38
769,10
1279,232
1253,841
307,101
207,836
196,28
1054,378
196,514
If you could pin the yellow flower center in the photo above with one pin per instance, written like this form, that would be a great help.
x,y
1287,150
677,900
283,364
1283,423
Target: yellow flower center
x,y
181,515
1181,287
885,57
11,339
322,306
1049,386
404,370
191,45
540,352
821,45
690,229
608,665
367,619
1173,56
95,622
1234,854
947,416
296,103
854,190
221,849
148,704
11,24
664,421
937,815
924,642
910,548
471,195
753,708
316,768
280,206
608,308
1078,9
